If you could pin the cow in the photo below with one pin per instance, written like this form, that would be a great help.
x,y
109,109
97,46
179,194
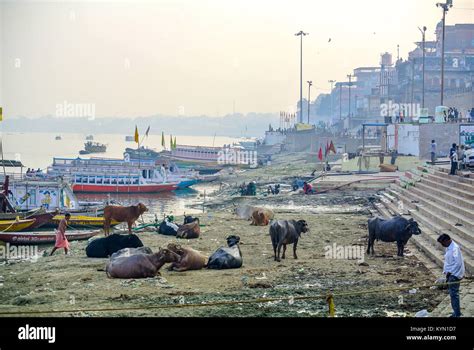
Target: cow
x,y
246,212
122,214
140,265
189,219
191,230
283,232
397,229
261,217
130,252
227,257
105,246
190,259
168,228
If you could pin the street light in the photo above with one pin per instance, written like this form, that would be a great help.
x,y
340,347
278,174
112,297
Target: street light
x,y
331,109
309,95
301,34
423,32
446,6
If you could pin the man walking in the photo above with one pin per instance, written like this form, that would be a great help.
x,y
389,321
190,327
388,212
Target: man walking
x,y
433,152
453,156
454,270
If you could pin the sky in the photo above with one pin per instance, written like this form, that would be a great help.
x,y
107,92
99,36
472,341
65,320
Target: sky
x,y
195,57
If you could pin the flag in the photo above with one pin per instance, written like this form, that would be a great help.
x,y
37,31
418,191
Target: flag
x,y
136,134
171,141
147,131
1,114
320,154
174,145
332,148
326,150
163,139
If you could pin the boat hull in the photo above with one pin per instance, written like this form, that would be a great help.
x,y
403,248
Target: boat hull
x,y
80,222
33,238
15,226
89,188
187,183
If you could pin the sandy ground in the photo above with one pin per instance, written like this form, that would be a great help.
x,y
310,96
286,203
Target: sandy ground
x,y
340,217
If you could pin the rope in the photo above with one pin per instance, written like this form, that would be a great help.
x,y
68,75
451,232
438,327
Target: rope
x,y
328,297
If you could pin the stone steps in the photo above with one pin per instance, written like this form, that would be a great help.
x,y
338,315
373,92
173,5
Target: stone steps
x,y
461,179
445,193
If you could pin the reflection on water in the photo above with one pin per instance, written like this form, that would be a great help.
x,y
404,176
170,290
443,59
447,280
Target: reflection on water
x,y
164,203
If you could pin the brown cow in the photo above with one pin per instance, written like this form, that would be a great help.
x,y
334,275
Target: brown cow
x,y
122,214
260,217
191,230
190,259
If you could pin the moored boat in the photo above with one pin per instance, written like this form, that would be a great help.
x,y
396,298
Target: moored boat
x,y
27,238
15,225
41,217
78,222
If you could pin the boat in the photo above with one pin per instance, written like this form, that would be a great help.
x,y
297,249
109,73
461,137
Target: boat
x,y
129,138
15,225
58,138
78,222
93,147
141,153
40,216
27,238
109,175
89,137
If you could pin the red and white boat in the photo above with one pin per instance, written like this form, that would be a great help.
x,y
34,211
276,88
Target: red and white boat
x,y
106,175
27,238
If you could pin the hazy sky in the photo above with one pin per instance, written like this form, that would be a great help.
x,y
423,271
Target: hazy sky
x,y
132,58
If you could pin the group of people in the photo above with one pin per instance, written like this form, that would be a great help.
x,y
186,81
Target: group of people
x,y
33,171
457,156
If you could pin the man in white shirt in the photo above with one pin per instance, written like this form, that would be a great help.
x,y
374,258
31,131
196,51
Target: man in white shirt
x,y
454,270
433,151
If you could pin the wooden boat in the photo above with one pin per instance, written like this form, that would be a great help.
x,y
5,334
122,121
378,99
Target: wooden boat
x,y
15,225
41,217
25,238
77,221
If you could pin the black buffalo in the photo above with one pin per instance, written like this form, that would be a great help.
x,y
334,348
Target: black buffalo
x,y
283,232
168,228
227,257
106,246
397,229
189,219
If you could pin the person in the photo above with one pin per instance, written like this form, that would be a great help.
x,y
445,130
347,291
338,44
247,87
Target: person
x,y
307,188
472,114
453,269
433,151
61,240
454,159
460,154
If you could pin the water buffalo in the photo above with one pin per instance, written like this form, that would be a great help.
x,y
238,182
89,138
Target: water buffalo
x,y
227,257
190,259
168,228
130,252
106,246
191,230
397,229
283,232
140,265
122,214
189,219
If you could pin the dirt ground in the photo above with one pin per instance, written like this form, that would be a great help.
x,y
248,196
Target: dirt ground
x,y
77,282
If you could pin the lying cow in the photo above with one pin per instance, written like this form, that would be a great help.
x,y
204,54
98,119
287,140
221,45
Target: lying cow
x,y
261,217
246,212
190,259
122,214
140,265
130,252
227,257
168,228
397,229
189,219
191,230
283,232
106,246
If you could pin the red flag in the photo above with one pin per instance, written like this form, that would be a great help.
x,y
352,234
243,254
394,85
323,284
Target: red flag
x,y
320,154
332,148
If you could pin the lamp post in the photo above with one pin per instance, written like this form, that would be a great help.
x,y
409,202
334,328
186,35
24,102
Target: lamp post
x,y
446,6
310,83
301,34
423,32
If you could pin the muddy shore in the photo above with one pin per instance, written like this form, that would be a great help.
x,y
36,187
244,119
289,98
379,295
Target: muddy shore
x,y
337,218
